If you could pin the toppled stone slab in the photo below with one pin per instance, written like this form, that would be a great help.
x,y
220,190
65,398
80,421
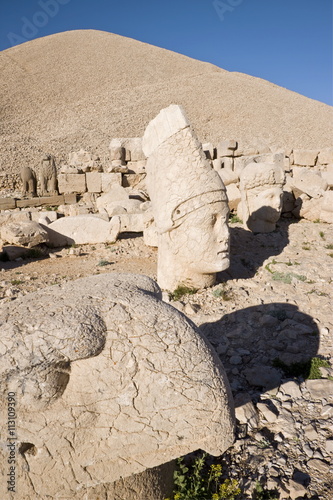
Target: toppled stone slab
x,y
82,229
110,381
228,176
309,183
28,233
325,156
131,223
305,157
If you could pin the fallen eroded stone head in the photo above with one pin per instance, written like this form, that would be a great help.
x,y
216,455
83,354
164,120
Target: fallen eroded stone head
x,y
107,380
261,186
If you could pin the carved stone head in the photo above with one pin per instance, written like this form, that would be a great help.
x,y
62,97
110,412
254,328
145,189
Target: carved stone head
x,y
189,204
261,186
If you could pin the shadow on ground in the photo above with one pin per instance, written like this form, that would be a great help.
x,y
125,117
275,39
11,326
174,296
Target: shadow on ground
x,y
262,345
249,250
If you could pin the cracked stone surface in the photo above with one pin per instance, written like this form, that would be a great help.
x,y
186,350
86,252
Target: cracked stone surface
x,y
108,381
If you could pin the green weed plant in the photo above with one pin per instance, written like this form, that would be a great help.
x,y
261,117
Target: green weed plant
x,y
198,481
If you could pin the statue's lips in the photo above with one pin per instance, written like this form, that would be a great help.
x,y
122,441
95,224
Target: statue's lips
x,y
223,252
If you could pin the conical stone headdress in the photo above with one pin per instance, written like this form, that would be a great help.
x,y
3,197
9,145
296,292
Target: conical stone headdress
x,y
179,177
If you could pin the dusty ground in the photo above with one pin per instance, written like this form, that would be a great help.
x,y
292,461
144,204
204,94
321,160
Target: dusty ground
x,y
275,301
79,89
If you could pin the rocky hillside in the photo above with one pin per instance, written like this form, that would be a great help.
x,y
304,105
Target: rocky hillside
x,y
81,88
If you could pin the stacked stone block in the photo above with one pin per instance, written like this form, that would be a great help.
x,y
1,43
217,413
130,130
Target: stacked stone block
x,y
309,175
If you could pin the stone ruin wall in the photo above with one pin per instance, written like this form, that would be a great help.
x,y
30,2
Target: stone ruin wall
x,y
85,173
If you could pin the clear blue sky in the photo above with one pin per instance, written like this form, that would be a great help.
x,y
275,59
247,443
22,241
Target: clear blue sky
x,y
288,42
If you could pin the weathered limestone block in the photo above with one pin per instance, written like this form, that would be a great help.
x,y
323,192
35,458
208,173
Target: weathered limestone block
x,y
132,145
118,164
326,212
189,204
85,160
23,233
117,153
29,181
109,381
129,206
131,223
288,200
83,229
286,164
307,208
109,180
137,167
234,196
44,217
208,149
77,209
94,182
240,163
134,180
261,186
72,183
114,197
68,169
277,158
328,177
226,148
305,157
297,170
309,183
18,217
228,176
120,143
325,156
150,236
245,150
7,203
217,164
227,163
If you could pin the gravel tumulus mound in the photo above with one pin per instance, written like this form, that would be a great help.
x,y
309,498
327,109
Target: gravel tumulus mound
x,y
81,88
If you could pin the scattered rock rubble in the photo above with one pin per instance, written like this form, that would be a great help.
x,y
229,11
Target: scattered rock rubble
x,y
273,302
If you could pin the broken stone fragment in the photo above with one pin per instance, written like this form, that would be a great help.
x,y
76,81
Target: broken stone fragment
x,y
24,233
